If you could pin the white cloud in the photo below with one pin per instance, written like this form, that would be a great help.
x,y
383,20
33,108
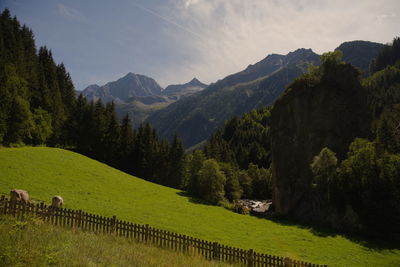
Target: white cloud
x,y
70,13
236,33
189,3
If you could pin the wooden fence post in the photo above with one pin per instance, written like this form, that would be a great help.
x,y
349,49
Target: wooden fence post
x,y
250,255
41,211
146,233
185,243
113,224
2,202
79,218
5,207
287,262
215,251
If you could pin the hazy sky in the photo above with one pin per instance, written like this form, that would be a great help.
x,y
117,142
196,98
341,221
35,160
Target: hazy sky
x,y
176,40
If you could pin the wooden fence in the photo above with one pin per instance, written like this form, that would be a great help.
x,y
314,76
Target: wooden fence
x,y
145,233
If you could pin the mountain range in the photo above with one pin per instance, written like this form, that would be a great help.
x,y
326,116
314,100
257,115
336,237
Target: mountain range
x,y
195,118
139,95
124,88
194,110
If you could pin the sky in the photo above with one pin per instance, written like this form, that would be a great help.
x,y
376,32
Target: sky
x,y
174,41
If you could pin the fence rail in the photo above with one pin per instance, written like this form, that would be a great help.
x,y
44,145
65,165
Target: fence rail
x,y
146,233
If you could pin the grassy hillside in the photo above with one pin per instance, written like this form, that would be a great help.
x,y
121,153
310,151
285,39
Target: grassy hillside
x,y
89,185
34,243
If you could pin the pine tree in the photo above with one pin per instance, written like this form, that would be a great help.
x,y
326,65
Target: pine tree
x,y
15,108
195,164
112,136
175,160
126,144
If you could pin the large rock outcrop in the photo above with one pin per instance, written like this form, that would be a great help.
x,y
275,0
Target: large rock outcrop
x,y
316,111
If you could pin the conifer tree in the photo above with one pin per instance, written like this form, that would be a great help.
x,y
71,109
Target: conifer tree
x,y
176,168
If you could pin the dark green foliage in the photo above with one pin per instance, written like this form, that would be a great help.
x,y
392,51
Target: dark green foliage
x,y
243,141
242,148
211,181
388,56
233,190
261,182
383,89
42,126
125,147
19,122
371,185
176,167
194,165
323,168
31,83
246,184
15,108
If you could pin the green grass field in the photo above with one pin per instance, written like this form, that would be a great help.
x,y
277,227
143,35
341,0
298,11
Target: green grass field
x,y
35,243
94,187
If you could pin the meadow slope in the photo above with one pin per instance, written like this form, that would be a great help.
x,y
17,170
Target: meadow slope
x,y
95,187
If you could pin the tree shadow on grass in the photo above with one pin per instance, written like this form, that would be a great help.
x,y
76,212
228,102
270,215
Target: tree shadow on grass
x,y
193,199
369,241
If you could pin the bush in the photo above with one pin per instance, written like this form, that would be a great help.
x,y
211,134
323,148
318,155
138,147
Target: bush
x,y
239,208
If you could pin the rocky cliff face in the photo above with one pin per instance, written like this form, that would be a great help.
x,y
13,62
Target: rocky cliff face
x,y
313,113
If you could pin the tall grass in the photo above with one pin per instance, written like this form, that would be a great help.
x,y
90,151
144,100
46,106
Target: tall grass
x,y
35,243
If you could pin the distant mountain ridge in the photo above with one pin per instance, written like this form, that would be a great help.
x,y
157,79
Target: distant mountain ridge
x,y
178,90
196,117
139,95
359,53
137,87
124,88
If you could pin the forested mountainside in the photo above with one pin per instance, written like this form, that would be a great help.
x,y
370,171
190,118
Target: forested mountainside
x,y
359,54
195,119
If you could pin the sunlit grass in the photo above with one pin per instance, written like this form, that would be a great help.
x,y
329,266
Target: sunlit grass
x,y
94,187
